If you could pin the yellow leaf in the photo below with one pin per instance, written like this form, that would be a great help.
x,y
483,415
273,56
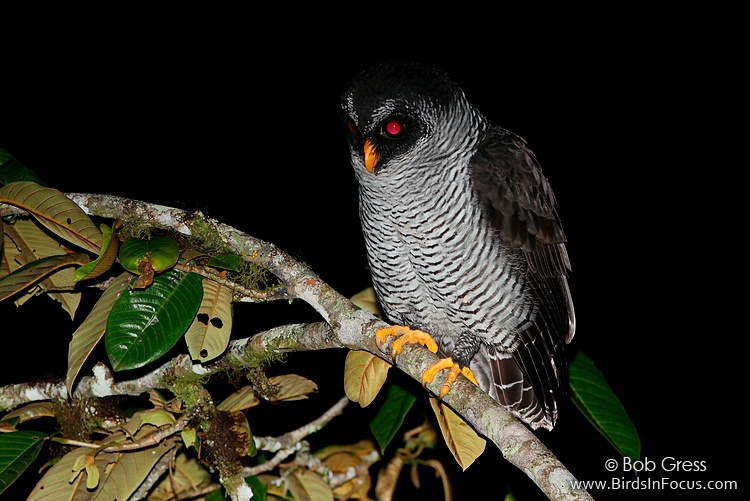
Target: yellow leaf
x,y
208,335
291,387
58,483
308,486
242,399
54,211
367,300
153,417
364,375
32,411
91,330
92,473
45,262
361,449
356,488
189,437
462,440
387,479
187,475
129,469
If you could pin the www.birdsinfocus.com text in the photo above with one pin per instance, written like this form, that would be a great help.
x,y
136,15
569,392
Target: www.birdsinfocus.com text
x,y
665,474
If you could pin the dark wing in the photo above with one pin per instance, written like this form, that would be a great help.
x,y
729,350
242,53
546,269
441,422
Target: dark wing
x,y
522,207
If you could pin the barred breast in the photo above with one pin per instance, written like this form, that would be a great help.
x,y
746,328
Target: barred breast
x,y
435,263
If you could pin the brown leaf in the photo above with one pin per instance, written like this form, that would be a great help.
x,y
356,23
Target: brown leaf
x,y
91,330
308,486
364,375
291,387
242,399
462,440
55,211
387,479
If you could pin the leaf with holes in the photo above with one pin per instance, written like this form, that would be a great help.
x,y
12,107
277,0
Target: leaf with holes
x,y
208,335
145,324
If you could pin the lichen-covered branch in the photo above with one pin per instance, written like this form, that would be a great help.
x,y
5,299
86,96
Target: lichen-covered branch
x,y
290,439
354,328
290,338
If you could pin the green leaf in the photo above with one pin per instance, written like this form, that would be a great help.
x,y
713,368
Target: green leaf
x,y
17,451
259,490
145,324
218,494
160,252
12,170
593,396
225,261
390,416
252,449
106,257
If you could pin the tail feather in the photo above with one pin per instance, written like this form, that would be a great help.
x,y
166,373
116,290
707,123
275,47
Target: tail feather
x,y
500,375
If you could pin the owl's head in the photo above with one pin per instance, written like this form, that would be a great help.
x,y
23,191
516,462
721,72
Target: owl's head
x,y
403,115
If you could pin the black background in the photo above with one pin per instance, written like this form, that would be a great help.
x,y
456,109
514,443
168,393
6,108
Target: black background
x,y
630,125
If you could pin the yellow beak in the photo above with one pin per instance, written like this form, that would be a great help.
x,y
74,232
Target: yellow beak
x,y
371,156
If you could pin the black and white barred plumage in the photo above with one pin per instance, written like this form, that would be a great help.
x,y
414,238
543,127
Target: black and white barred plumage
x,y
462,234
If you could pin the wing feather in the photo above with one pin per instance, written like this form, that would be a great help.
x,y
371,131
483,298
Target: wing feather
x,y
523,211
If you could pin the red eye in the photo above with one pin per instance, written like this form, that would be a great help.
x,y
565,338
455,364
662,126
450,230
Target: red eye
x,y
393,128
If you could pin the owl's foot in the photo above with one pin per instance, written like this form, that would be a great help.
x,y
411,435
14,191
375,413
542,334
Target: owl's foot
x,y
411,336
405,336
455,370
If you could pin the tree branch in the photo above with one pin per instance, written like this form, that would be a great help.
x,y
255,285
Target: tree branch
x,y
291,337
354,328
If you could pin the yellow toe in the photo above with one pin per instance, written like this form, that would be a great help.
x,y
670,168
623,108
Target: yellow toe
x,y
469,375
444,363
405,336
447,363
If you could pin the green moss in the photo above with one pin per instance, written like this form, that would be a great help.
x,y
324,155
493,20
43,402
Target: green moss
x,y
187,386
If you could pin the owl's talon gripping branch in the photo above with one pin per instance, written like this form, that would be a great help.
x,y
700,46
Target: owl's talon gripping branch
x,y
455,370
405,336
412,336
